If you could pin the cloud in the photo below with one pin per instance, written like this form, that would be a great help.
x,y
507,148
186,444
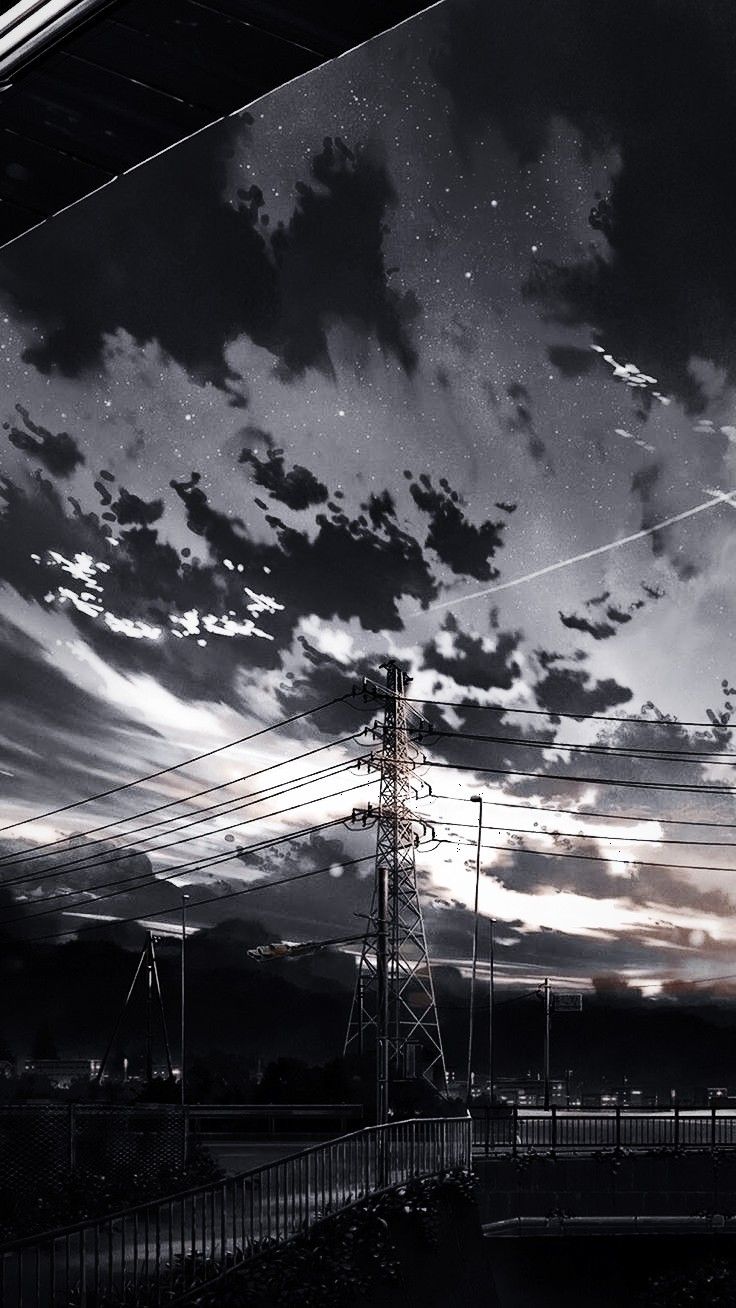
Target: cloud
x,y
646,485
466,548
348,569
57,451
571,689
521,422
474,661
297,489
570,360
166,255
524,66
615,616
131,509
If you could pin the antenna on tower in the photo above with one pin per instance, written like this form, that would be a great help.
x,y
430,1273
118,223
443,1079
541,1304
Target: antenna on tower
x,y
412,1039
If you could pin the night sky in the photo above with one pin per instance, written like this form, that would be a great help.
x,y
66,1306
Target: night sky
x,y
327,384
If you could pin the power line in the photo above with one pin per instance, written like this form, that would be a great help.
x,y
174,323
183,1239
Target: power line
x,y
195,865
196,758
594,858
588,781
144,878
559,713
696,981
580,835
717,758
594,813
39,850
212,899
235,805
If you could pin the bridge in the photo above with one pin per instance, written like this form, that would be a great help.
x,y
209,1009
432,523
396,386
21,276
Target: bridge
x,y
168,1248
555,1172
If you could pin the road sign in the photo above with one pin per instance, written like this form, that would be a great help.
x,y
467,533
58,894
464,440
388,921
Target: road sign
x,y
567,1002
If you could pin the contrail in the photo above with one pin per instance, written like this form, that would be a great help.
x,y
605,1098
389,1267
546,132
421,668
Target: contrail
x,y
720,498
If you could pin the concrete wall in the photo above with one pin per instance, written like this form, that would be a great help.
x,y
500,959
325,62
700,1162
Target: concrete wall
x,y
607,1184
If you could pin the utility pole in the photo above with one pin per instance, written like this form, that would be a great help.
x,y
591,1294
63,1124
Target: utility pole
x,y
149,1011
183,988
491,1010
475,799
382,1039
183,1044
547,1023
412,1021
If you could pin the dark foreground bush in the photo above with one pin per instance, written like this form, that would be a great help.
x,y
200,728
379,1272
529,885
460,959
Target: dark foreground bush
x,y
26,1210
713,1285
420,1244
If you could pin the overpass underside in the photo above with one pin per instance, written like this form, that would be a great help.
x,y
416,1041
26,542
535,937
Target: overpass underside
x,y
544,1193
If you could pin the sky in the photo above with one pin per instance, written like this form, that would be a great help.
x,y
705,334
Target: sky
x,y
392,364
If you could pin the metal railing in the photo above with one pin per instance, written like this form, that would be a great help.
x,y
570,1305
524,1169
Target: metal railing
x,y
166,1249
565,1130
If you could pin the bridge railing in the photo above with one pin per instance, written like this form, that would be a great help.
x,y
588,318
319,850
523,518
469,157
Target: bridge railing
x,y
559,1129
170,1247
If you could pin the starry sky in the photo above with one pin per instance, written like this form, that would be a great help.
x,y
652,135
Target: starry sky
x,y
362,372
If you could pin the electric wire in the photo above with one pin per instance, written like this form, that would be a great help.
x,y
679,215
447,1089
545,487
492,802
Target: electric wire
x,y
174,767
720,758
200,903
679,786
127,885
567,713
39,850
593,858
585,813
134,847
579,835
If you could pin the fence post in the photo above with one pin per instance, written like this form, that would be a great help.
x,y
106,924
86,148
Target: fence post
x,y
618,1126
488,1129
553,1111
72,1138
515,1127
677,1125
713,1127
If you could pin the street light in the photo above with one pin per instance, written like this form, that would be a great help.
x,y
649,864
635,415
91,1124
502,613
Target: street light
x,y
474,799
183,981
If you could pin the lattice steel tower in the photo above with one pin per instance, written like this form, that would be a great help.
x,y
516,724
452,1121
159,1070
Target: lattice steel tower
x,y
413,1036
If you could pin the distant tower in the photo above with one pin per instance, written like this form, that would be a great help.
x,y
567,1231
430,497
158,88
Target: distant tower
x,y
414,1040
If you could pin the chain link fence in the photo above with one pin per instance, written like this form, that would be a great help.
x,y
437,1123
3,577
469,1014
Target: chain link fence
x,y
46,1147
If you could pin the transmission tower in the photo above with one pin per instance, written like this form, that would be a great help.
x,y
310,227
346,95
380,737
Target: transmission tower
x,y
413,1040
147,967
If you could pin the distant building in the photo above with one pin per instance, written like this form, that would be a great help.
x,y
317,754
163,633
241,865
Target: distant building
x,y
61,1072
528,1092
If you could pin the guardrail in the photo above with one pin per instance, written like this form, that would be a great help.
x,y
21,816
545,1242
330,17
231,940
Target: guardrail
x,y
565,1130
170,1247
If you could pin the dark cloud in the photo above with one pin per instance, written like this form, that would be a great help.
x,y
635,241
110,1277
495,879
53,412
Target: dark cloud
x,y
465,548
572,690
521,421
665,288
602,628
165,257
33,690
472,662
570,360
646,485
131,509
578,622
339,566
57,451
297,489
348,569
